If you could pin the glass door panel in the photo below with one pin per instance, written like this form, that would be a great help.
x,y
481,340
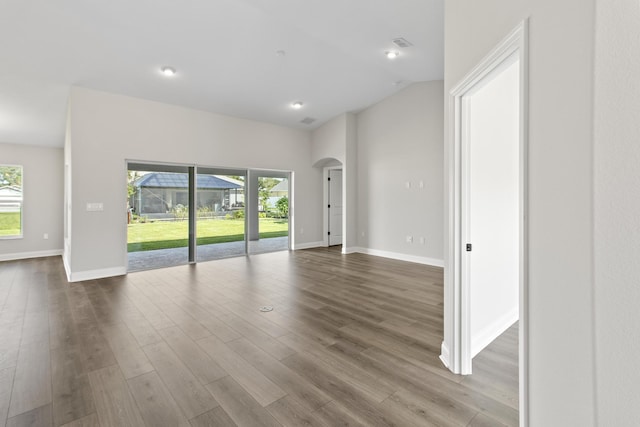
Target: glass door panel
x,y
272,212
157,216
220,217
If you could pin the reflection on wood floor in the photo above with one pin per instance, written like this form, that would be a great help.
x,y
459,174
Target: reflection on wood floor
x,y
352,340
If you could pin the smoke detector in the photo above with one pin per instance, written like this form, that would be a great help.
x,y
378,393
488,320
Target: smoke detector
x,y
307,120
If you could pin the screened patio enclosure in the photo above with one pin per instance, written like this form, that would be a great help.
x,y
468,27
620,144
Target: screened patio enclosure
x,y
158,193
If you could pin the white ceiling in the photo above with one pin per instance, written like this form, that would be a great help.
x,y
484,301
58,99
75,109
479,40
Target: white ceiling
x,y
224,52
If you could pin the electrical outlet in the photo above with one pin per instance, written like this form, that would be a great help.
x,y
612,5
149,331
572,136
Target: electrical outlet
x,y
302,231
421,185
407,185
422,240
409,239
45,236
362,234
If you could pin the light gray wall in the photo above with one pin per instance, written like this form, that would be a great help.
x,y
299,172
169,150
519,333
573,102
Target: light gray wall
x,y
107,129
335,144
562,391
329,142
400,140
617,211
350,181
43,200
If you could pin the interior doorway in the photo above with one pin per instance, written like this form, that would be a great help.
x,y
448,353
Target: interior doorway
x,y
490,203
335,208
488,222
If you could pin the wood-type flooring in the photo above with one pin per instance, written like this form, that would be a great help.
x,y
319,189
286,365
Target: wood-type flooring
x,y
353,340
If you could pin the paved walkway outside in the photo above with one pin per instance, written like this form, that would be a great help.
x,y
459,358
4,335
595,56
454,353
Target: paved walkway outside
x,y
146,260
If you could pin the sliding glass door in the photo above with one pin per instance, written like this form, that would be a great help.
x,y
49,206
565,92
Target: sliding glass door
x,y
158,215
180,214
269,228
220,223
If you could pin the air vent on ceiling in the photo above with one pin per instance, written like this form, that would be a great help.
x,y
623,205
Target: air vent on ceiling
x,y
307,120
401,42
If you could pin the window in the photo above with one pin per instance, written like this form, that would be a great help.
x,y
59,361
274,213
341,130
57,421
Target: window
x,y
10,201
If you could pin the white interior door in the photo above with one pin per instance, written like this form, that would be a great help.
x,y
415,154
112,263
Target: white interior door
x,y
492,205
335,207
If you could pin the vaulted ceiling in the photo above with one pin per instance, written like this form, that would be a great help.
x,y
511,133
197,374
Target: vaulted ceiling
x,y
245,58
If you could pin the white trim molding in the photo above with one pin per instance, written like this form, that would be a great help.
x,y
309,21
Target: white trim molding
x,y
27,255
309,245
484,337
456,349
400,257
444,354
66,264
81,276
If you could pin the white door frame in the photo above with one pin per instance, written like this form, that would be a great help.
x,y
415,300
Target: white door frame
x,y
457,353
325,199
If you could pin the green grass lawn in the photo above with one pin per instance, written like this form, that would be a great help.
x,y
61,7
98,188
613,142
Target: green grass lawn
x,y
175,234
9,223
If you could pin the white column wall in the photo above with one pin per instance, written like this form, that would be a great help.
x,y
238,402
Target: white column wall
x,y
561,355
617,211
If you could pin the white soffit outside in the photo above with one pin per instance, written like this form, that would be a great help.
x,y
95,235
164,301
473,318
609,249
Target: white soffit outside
x,y
224,52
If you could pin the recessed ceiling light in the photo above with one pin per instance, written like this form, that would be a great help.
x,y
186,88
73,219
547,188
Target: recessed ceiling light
x,y
392,54
168,71
297,105
281,52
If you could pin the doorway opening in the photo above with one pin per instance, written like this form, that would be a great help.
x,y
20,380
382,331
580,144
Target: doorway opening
x,y
335,208
489,205
486,271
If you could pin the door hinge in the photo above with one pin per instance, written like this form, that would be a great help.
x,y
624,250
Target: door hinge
x,y
329,206
329,179
328,233
468,247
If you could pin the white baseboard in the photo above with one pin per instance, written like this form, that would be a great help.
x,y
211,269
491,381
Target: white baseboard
x,y
349,250
27,255
309,245
80,276
401,257
493,331
445,356
67,266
